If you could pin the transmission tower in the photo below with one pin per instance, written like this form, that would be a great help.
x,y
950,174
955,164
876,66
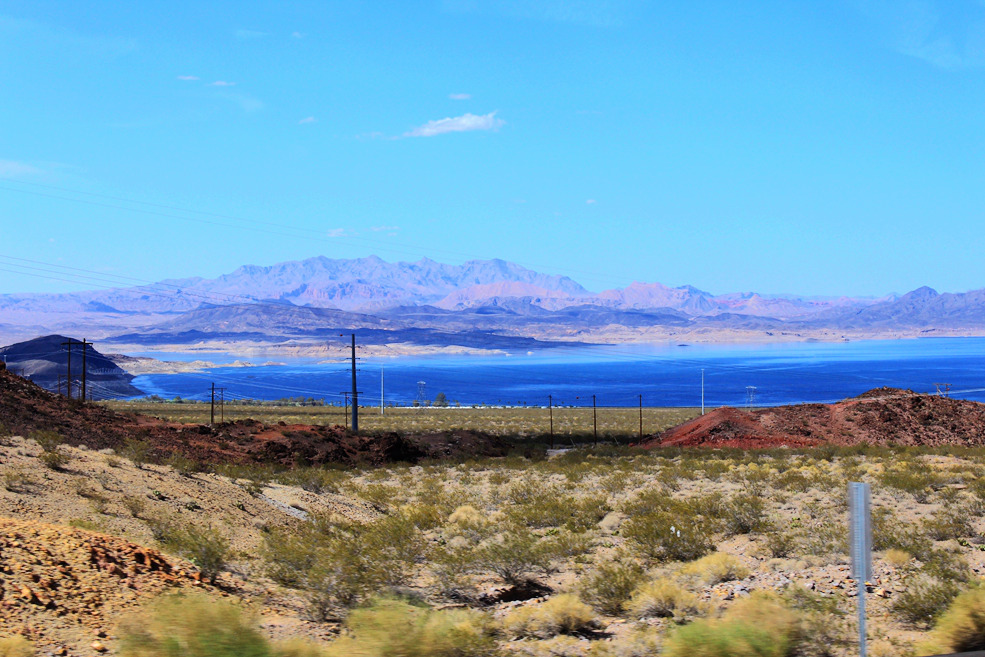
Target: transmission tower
x,y
750,395
422,397
943,389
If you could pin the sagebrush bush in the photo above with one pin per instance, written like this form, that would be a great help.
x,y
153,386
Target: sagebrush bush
x,y
16,646
665,536
662,598
715,568
48,441
897,558
961,628
339,564
608,587
205,547
757,626
923,600
562,614
137,451
514,555
315,480
394,628
192,626
949,523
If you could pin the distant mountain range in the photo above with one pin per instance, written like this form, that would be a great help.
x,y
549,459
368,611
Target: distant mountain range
x,y
495,298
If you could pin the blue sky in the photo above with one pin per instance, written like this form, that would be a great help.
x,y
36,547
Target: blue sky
x,y
783,147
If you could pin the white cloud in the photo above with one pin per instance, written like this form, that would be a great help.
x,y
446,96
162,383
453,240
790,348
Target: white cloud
x,y
382,229
307,119
250,34
12,168
297,35
463,123
189,78
590,201
460,96
222,83
338,232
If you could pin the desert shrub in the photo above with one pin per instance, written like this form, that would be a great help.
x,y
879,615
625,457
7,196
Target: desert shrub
x,y
471,523
913,477
53,460
715,568
134,504
513,556
897,558
394,628
563,544
17,480
16,646
192,626
662,598
950,522
205,547
183,465
780,542
664,536
609,586
48,441
757,626
315,480
961,628
923,600
889,532
744,514
562,614
538,505
137,451
339,564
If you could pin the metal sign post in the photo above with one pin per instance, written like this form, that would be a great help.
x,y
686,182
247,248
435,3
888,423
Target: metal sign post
x,y
860,539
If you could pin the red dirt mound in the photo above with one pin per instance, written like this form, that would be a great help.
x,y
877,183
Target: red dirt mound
x,y
25,407
882,416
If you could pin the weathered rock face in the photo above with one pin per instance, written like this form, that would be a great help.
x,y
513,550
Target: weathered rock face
x,y
61,586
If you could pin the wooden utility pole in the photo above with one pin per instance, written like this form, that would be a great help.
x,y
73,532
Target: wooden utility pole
x,y
641,418
355,393
85,348
68,344
212,408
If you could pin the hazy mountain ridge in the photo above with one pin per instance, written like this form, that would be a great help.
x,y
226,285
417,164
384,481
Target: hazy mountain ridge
x,y
301,298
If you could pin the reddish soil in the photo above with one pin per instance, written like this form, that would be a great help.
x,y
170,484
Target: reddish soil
x,y
25,407
883,416
62,586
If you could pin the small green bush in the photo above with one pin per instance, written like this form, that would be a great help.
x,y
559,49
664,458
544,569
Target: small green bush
x,y
664,536
53,460
923,600
609,586
137,451
514,556
206,547
48,441
192,626
949,523
562,614
757,626
394,628
961,628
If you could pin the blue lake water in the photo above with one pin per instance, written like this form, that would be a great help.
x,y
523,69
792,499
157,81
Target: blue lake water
x,y
665,375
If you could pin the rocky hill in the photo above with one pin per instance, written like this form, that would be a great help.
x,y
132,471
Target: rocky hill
x,y
45,361
884,416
